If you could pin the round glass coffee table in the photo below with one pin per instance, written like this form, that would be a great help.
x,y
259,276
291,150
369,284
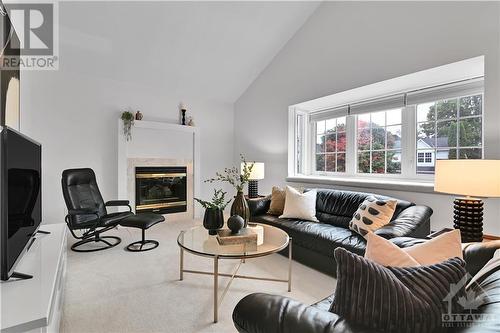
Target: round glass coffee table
x,y
197,241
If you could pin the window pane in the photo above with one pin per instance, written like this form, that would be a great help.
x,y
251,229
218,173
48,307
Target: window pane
x,y
471,153
382,134
330,162
331,124
331,143
364,162
425,135
394,117
425,112
378,119
394,161
446,154
363,120
341,141
471,106
364,139
447,133
446,109
340,162
320,144
320,127
378,138
378,162
320,162
394,137
341,124
441,138
470,132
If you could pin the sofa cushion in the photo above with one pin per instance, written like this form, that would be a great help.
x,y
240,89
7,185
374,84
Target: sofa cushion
x,y
300,205
393,299
337,207
319,237
372,215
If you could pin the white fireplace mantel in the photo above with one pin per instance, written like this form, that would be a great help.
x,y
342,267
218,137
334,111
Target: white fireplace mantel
x,y
158,141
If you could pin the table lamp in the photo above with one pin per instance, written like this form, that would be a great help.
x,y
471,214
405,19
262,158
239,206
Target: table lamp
x,y
253,182
472,179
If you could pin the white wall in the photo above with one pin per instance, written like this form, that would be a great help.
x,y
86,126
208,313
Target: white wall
x,y
73,111
348,45
76,125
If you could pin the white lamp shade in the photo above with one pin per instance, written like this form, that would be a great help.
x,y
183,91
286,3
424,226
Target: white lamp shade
x,y
257,170
478,178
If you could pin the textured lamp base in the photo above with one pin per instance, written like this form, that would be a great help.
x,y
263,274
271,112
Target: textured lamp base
x,y
253,189
468,217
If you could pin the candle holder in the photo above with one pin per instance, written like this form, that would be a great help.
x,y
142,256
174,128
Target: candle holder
x,y
183,119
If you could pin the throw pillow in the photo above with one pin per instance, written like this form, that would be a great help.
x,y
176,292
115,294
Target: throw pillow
x,y
393,299
372,214
300,205
277,205
433,251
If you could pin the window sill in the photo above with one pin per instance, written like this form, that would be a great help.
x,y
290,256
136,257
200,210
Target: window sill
x,y
386,184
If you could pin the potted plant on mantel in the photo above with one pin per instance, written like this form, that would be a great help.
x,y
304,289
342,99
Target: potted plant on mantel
x,y
214,211
237,179
128,120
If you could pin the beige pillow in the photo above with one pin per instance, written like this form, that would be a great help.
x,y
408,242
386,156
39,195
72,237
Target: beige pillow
x,y
277,205
300,206
433,251
372,214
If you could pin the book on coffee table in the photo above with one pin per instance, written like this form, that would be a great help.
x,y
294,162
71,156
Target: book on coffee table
x,y
245,236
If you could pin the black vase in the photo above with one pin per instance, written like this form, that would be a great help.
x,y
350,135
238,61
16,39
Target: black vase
x,y
240,207
213,220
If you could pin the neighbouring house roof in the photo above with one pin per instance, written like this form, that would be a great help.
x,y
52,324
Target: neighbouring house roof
x,y
430,142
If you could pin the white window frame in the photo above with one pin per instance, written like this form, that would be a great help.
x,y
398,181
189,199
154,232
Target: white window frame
x,y
408,148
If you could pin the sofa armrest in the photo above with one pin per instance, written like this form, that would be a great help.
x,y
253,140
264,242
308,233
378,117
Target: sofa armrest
x,y
259,206
476,255
414,221
262,313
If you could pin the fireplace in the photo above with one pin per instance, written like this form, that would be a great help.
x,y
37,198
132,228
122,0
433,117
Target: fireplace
x,y
161,190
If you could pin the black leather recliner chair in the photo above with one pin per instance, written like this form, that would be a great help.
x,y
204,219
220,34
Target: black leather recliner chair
x,y
87,211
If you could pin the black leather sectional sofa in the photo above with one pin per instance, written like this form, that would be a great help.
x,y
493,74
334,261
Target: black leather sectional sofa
x,y
314,243
262,313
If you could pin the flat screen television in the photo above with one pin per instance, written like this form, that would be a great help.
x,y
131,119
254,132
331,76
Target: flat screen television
x,y
20,197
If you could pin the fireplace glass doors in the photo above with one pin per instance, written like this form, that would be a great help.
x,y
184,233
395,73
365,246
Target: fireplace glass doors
x,y
160,190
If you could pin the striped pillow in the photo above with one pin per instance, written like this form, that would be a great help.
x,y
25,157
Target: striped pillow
x,y
392,299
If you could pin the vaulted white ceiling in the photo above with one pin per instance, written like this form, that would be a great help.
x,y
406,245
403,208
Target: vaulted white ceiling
x,y
209,49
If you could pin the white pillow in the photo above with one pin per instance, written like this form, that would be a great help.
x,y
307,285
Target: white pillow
x,y
300,205
430,252
372,214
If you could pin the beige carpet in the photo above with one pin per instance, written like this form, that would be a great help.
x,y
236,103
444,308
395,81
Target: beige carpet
x,y
120,291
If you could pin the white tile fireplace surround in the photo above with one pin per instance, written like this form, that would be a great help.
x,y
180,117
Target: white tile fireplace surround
x,y
159,144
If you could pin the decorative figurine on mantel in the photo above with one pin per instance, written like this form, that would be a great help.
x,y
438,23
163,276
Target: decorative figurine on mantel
x,y
190,121
183,113
138,115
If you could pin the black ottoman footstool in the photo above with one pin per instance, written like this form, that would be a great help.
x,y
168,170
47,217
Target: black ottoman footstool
x,y
142,221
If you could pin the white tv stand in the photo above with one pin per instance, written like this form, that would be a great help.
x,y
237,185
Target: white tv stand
x,y
35,305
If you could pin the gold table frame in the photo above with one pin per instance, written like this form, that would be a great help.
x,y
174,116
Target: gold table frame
x,y
233,275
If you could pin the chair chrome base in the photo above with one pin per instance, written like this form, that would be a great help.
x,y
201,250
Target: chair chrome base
x,y
138,246
96,239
